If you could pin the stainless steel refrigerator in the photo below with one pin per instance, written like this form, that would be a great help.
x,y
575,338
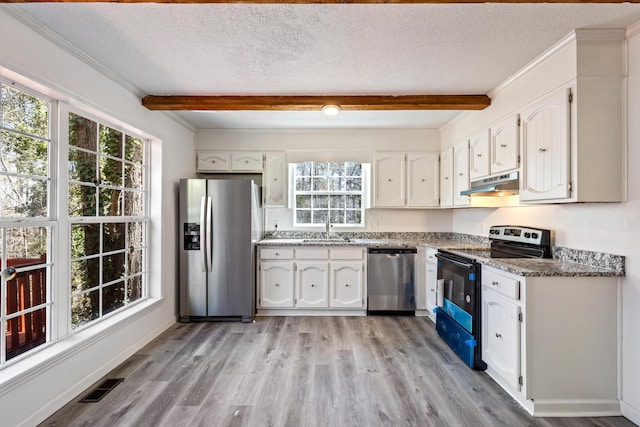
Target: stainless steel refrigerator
x,y
220,223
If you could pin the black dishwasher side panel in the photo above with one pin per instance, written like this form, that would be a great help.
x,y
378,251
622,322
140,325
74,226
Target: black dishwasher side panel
x,y
391,279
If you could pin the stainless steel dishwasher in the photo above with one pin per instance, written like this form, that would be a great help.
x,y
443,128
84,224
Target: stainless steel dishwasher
x,y
391,279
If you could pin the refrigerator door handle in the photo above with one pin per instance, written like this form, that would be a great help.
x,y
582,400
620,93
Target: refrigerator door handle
x,y
209,243
203,233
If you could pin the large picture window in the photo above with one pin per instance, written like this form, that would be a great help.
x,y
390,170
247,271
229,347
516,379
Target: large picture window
x,y
25,221
107,214
99,194
329,188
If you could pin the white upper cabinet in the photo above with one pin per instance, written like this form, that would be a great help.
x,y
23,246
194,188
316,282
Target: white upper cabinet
x,y
406,179
505,146
213,161
229,161
423,179
246,161
274,180
479,155
460,173
546,142
446,178
389,184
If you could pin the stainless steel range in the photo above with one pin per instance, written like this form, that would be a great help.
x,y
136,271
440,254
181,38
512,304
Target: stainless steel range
x,y
458,318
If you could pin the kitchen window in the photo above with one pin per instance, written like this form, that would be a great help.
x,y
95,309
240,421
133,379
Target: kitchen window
x,y
336,189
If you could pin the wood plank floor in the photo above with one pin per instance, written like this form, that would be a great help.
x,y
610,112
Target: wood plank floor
x,y
304,371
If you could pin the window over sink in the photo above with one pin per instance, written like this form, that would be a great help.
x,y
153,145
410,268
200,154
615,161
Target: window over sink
x,y
336,189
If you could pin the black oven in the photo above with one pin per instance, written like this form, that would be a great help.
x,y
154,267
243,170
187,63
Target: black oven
x,y
458,318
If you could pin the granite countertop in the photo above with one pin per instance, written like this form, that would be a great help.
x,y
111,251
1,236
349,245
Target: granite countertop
x,y
565,262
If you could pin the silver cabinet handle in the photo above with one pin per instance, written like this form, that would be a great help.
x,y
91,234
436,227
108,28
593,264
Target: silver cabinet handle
x,y
478,155
503,145
494,283
277,284
542,150
498,335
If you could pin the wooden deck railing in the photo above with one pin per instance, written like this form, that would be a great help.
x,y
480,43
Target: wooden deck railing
x,y
27,289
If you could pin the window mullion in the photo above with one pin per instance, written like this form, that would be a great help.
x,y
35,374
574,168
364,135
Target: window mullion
x,y
61,318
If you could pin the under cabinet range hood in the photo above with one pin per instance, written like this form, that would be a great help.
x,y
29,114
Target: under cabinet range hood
x,y
501,185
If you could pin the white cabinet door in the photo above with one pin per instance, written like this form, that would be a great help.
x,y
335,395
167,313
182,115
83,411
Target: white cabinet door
x,y
460,173
501,337
546,142
446,178
505,145
312,284
389,184
346,284
479,155
276,284
246,161
212,161
432,285
275,179
423,179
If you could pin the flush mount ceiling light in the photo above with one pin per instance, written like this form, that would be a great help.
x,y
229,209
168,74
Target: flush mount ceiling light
x,y
330,110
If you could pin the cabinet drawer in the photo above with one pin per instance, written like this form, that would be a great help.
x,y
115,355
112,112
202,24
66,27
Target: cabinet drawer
x,y
350,253
276,253
315,253
500,283
249,161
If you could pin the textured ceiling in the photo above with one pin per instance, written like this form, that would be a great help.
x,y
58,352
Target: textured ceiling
x,y
382,49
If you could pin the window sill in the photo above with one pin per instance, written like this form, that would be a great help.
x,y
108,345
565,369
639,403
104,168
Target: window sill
x,y
16,373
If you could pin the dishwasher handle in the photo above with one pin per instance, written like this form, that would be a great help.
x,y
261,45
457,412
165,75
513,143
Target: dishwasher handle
x,y
393,251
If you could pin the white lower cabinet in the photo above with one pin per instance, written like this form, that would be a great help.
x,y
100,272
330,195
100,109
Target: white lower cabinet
x,y
501,337
552,342
313,278
312,284
276,284
432,283
346,284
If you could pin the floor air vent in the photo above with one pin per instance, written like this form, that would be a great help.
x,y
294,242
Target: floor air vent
x,y
101,390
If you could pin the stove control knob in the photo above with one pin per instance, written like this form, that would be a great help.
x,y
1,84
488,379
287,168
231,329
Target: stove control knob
x,y
534,235
527,235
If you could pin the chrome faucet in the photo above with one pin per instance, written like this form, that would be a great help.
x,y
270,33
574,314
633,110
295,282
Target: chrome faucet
x,y
328,225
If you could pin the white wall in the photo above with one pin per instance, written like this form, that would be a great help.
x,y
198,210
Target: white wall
x,y
605,227
36,386
325,144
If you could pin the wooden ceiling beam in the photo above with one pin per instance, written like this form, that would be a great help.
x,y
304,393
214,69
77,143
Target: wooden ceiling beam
x,y
321,1
314,103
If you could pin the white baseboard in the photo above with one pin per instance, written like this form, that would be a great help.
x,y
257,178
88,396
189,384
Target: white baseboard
x,y
576,408
631,413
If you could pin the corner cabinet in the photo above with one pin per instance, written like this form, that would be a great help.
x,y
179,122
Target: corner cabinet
x,y
311,280
274,180
552,342
406,180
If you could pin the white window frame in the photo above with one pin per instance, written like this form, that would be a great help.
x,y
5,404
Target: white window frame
x,y
59,223
363,193
101,220
49,222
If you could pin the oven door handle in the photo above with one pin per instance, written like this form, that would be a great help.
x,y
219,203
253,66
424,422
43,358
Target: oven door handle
x,y
456,262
